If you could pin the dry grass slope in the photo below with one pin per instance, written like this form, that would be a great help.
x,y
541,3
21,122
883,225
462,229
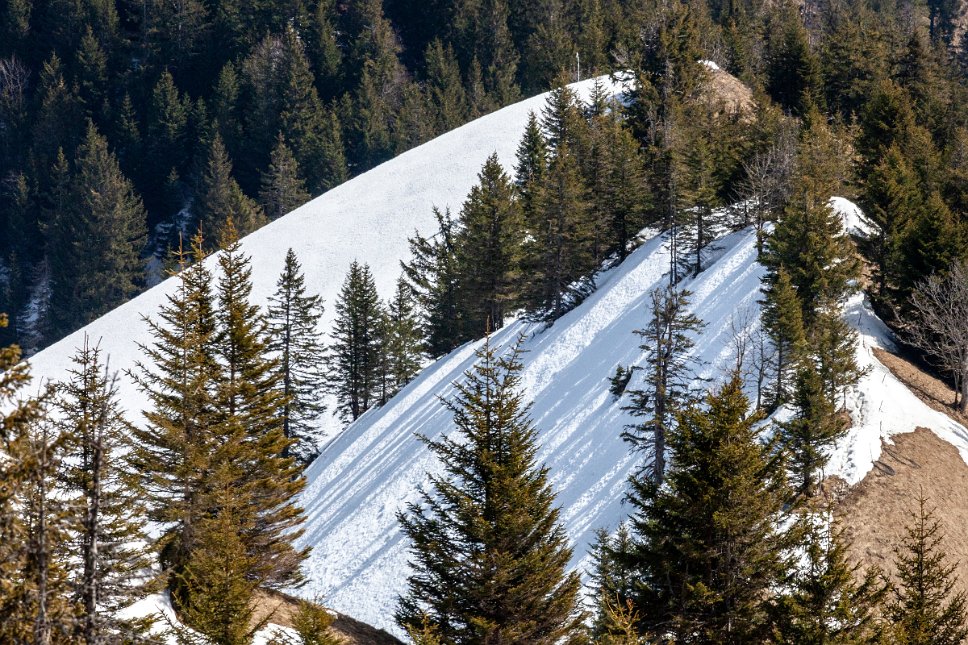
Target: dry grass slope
x,y
876,511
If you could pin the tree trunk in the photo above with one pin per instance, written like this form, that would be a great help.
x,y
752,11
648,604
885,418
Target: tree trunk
x,y
91,543
963,403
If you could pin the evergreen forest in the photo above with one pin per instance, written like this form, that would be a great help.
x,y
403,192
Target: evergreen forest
x,y
143,140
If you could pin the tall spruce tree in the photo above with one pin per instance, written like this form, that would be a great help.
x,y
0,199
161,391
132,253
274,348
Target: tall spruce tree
x,y
18,414
434,276
403,342
811,432
46,609
356,349
172,452
248,397
489,249
558,257
304,120
612,584
811,245
782,318
707,554
531,166
99,263
831,600
488,550
283,189
220,198
293,317
924,606
108,519
793,71
166,147
668,387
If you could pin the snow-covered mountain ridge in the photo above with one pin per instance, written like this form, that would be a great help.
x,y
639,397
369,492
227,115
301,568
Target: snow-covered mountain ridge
x,y
369,218
370,471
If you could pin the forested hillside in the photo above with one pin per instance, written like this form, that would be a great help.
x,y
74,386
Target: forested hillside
x,y
622,337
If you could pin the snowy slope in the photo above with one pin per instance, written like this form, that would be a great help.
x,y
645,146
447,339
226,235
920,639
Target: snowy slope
x,y
372,469
368,218
369,473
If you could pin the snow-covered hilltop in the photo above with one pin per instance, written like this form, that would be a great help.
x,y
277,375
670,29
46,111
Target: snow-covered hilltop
x,y
368,219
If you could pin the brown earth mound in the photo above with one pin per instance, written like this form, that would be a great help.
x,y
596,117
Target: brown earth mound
x,y
729,94
876,511
281,608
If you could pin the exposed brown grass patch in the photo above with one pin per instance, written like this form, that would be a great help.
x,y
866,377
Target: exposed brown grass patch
x,y
730,94
876,511
280,609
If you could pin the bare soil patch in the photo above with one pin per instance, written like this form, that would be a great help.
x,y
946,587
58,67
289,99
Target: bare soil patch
x,y
281,608
876,511
730,94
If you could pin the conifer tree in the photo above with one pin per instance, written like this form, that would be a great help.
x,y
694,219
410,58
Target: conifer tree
x,y
172,452
46,605
924,606
18,415
165,140
108,525
219,573
403,341
444,88
355,351
558,255
833,343
668,386
59,123
932,243
489,249
434,277
611,579
891,197
793,71
812,431
373,115
831,600
811,245
413,122
626,196
99,262
248,398
91,71
283,189
333,150
699,195
220,198
304,120
707,553
783,321
563,121
293,317
532,164
489,553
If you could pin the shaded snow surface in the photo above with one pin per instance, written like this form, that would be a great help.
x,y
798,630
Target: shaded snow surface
x,y
369,472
